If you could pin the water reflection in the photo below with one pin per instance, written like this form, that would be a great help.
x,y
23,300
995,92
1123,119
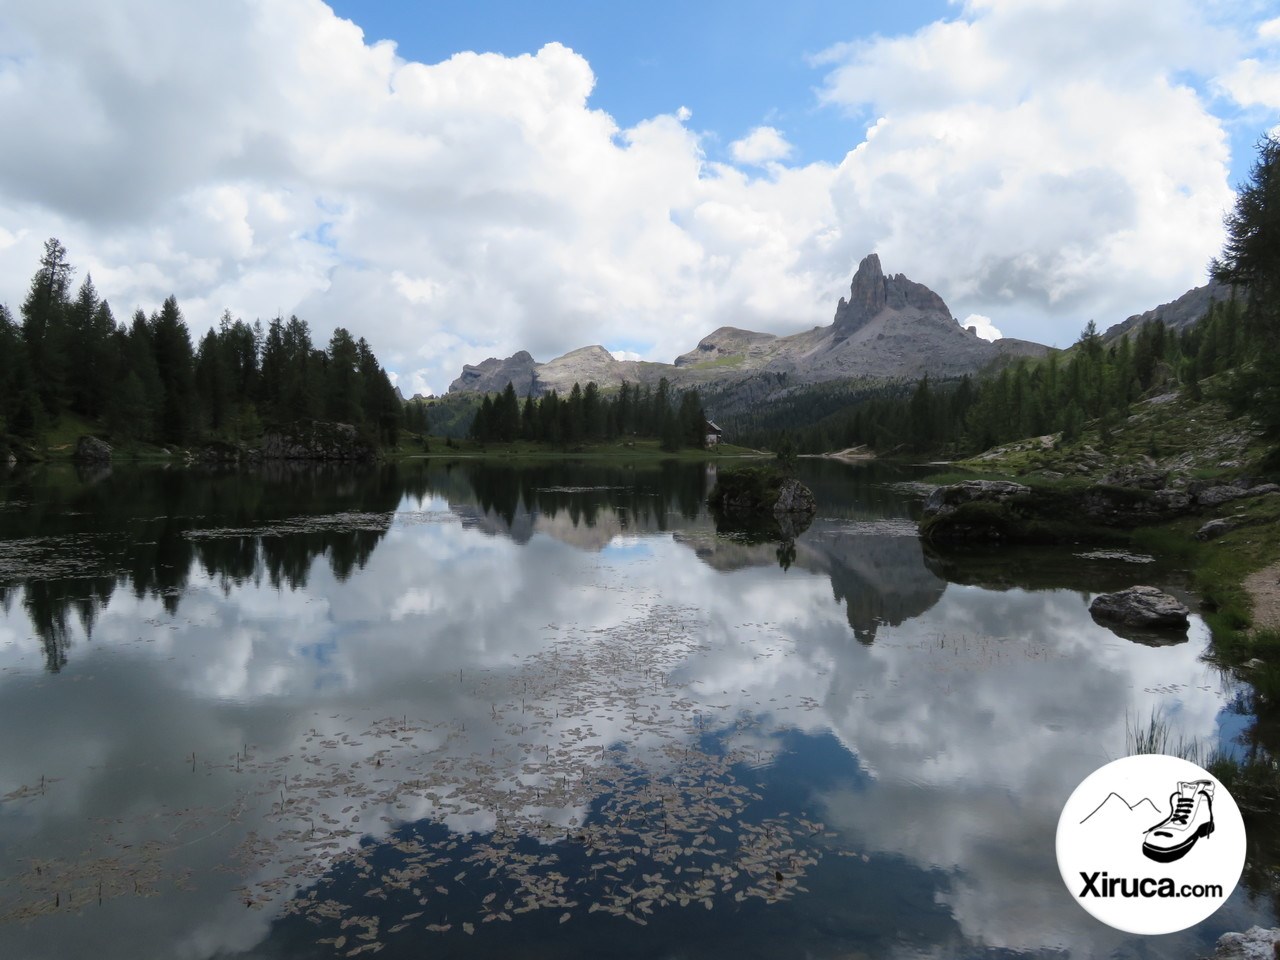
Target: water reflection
x,y
323,681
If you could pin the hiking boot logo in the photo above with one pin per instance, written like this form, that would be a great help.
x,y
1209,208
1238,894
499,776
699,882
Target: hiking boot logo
x,y
1190,818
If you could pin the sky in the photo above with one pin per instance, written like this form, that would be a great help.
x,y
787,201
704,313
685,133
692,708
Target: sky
x,y
458,181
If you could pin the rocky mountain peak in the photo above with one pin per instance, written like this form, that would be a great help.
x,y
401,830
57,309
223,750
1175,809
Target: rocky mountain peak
x,y
871,292
593,352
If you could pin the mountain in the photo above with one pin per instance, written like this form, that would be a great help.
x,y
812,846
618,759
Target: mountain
x,y
1176,315
889,327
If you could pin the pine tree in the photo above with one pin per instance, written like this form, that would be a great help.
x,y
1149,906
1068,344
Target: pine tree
x,y
44,325
343,388
1251,258
175,364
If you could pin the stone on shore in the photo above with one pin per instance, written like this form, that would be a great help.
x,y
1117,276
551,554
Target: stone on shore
x,y
1216,528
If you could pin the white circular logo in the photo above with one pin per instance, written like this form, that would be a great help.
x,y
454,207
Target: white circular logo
x,y
1151,844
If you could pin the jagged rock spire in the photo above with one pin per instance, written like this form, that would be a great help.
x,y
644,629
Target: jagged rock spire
x,y
871,292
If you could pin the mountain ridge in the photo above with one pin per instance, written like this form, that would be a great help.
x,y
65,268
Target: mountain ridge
x,y
889,327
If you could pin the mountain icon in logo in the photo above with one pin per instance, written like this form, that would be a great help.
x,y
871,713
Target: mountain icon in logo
x,y
1116,809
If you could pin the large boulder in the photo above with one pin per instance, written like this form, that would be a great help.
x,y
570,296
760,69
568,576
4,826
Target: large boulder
x,y
316,440
1146,607
92,450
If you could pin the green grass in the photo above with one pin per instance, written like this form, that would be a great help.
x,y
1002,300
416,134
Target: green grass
x,y
1156,735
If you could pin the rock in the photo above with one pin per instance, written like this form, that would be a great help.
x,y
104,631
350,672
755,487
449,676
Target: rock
x,y
1256,943
1215,496
316,440
92,449
794,497
1263,489
1137,478
1216,528
1141,606
945,500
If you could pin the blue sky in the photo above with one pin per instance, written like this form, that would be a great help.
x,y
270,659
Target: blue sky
x,y
457,181
734,63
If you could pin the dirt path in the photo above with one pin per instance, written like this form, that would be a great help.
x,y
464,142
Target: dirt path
x,y
1264,588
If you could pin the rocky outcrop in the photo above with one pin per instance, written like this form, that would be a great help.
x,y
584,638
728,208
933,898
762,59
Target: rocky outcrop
x,y
1256,943
316,440
493,375
944,501
92,450
1145,607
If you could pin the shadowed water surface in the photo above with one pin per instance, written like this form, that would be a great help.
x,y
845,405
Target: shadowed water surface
x,y
474,710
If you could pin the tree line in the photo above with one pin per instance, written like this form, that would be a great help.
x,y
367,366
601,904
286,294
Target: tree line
x,y
587,415
146,381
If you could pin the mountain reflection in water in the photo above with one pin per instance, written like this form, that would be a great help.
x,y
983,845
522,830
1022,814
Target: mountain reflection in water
x,y
303,712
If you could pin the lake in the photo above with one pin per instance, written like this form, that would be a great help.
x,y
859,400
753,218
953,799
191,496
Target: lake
x,y
470,709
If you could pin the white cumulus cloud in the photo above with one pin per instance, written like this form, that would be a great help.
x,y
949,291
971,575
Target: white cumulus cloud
x,y
762,145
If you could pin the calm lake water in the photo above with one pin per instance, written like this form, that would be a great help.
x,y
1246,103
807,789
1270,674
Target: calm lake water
x,y
474,710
